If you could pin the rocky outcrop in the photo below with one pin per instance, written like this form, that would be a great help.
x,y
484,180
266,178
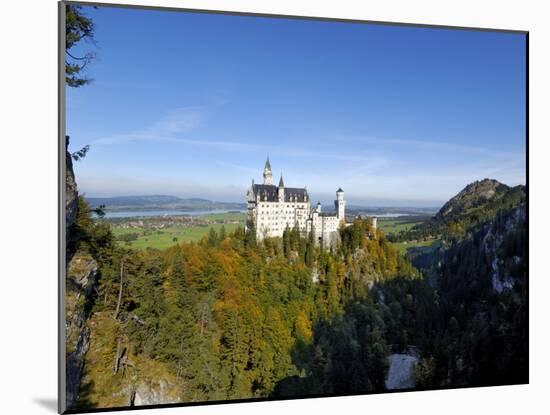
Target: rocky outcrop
x,y
502,264
154,393
401,371
71,192
82,273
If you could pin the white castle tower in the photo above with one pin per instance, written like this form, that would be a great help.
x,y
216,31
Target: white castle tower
x,y
340,205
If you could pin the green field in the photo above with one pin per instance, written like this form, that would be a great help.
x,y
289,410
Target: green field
x,y
394,225
164,238
230,216
405,247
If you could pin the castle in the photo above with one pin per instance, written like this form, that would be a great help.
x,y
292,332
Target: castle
x,y
271,209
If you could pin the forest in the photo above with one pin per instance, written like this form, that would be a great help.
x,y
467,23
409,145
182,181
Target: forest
x,y
229,317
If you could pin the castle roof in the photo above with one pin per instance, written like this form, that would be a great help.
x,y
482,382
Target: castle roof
x,y
339,190
269,193
267,164
281,183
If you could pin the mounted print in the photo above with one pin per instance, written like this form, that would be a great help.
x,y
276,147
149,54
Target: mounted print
x,y
259,207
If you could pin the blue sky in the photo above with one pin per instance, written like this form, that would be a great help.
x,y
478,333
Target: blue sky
x,y
190,105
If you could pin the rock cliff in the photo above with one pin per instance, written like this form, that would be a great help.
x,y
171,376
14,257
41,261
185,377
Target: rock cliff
x,y
71,193
81,277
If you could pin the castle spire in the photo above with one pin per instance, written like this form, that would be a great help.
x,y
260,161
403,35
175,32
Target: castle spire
x,y
281,190
267,172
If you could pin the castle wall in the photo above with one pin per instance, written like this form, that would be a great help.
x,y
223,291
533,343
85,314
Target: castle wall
x,y
272,218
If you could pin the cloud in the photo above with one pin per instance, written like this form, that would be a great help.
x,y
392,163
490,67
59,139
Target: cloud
x,y
177,121
172,127
428,145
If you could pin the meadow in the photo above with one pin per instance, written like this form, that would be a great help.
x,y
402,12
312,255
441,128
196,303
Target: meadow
x,y
401,223
417,246
171,235
404,223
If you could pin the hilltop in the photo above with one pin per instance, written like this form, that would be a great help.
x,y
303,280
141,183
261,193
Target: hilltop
x,y
478,203
486,194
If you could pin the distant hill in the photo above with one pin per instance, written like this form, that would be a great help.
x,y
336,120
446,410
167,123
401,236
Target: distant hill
x,y
158,202
472,196
478,203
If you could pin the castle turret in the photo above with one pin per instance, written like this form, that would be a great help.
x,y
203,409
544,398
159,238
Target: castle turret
x,y
250,193
267,172
340,205
281,191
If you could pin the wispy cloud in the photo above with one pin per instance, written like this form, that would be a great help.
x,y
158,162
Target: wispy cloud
x,y
177,121
174,126
436,145
430,145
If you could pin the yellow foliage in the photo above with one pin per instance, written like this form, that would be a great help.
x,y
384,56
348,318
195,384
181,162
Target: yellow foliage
x,y
303,328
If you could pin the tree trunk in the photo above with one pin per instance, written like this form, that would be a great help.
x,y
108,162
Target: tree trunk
x,y
117,357
117,310
105,297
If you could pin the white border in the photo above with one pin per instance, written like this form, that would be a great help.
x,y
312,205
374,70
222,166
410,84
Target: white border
x,y
28,163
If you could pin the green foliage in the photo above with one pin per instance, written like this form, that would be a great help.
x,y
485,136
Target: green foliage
x,y
128,237
80,154
78,27
424,373
87,235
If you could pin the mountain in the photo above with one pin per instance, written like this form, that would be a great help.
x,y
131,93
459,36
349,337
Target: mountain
x,y
157,202
472,197
478,202
479,270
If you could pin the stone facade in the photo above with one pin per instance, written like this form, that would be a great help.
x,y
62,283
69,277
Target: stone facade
x,y
272,208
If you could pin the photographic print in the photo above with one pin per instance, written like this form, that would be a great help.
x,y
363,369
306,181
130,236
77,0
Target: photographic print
x,y
266,207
